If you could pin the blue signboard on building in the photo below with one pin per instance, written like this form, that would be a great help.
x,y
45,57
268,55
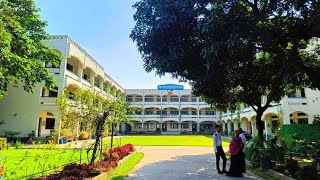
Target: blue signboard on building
x,y
170,87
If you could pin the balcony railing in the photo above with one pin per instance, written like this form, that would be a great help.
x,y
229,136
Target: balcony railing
x,y
72,75
48,100
189,116
297,100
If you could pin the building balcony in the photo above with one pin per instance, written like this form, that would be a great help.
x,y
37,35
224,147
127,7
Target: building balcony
x,y
72,75
85,82
96,88
208,116
297,100
189,102
152,116
170,116
48,100
53,70
189,116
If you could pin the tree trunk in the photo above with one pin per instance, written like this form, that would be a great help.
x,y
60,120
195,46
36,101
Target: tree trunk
x,y
259,124
112,129
99,129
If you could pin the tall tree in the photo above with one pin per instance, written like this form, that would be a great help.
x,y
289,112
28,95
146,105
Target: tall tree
x,y
88,107
230,50
22,50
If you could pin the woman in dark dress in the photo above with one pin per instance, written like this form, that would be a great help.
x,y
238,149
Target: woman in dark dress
x,y
234,150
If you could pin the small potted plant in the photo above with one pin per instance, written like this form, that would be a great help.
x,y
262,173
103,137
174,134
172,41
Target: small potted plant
x,y
10,135
83,135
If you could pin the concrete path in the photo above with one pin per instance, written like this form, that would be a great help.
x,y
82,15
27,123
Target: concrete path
x,y
178,163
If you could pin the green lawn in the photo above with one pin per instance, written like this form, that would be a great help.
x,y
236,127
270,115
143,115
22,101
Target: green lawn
x,y
122,171
28,163
166,140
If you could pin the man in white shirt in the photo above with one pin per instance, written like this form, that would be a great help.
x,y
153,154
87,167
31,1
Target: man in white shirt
x,y
217,144
242,154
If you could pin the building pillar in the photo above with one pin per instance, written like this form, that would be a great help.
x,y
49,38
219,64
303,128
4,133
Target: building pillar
x,y
235,126
80,72
244,125
310,119
267,127
92,79
142,128
229,127
198,127
101,85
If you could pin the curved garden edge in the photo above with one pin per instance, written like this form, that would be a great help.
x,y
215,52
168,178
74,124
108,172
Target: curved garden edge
x,y
104,175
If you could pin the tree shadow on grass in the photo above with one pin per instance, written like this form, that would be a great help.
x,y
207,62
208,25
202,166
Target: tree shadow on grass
x,y
190,167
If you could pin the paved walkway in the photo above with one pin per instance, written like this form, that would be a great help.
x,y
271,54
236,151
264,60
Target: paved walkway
x,y
178,163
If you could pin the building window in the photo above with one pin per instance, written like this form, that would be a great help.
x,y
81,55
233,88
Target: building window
x,y
69,67
53,92
174,125
149,112
85,77
194,112
184,99
137,125
138,99
184,126
129,99
174,99
174,112
148,99
184,112
50,123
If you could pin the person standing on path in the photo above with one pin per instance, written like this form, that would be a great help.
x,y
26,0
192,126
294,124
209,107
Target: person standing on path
x,y
243,152
217,143
235,149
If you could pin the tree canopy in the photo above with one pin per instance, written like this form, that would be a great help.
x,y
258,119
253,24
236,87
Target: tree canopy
x,y
22,50
231,51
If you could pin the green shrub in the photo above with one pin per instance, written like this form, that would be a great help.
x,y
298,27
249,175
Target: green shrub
x,y
11,134
308,172
18,145
83,135
3,143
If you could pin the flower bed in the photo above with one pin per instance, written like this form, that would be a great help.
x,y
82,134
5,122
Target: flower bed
x,y
81,171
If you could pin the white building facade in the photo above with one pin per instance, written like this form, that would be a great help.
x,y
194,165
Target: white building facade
x,y
38,112
169,111
178,111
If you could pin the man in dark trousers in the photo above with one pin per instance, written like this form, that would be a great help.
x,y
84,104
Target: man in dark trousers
x,y
242,153
217,144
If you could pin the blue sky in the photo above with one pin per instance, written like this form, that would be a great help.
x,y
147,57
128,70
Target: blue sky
x,y
102,28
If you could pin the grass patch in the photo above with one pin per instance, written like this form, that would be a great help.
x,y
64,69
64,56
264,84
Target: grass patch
x,y
122,171
167,140
31,163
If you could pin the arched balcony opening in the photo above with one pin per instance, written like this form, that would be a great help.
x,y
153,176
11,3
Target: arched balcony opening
x,y
46,123
107,87
188,98
134,98
87,73
170,98
52,92
70,90
138,111
73,65
189,111
170,112
97,81
273,121
152,98
298,117
208,127
152,125
207,111
152,111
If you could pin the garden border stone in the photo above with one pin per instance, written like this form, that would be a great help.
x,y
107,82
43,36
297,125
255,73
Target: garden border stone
x,y
104,175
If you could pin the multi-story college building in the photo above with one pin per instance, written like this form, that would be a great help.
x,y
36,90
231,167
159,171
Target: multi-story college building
x,y
26,112
177,111
167,109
